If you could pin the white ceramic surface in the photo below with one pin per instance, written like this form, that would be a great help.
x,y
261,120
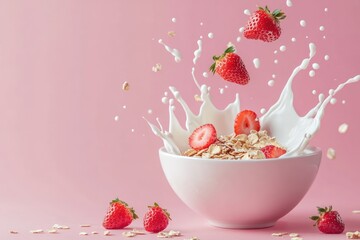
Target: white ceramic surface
x,y
241,193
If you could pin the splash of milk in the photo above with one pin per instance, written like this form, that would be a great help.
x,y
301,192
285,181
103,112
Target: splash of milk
x,y
293,131
173,51
197,52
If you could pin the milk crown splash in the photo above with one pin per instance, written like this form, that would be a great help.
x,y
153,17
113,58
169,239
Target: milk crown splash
x,y
281,121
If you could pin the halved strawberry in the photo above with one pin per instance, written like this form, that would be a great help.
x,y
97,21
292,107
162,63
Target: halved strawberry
x,y
246,121
202,137
272,151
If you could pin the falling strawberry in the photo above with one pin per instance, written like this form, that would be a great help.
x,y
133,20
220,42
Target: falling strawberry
x,y
119,215
230,67
271,151
156,219
328,221
264,25
203,137
246,121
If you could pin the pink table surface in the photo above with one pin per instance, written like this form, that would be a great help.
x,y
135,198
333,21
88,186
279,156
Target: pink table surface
x,y
63,157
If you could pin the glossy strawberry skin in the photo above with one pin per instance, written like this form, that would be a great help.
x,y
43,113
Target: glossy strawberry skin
x,y
119,215
264,25
328,221
231,68
156,219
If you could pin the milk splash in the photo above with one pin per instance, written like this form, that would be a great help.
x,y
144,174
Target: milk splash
x,y
281,120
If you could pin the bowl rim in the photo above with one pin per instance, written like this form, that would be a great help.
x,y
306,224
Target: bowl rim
x,y
313,151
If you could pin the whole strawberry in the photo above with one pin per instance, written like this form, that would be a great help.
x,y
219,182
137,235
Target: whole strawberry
x,y
119,215
230,67
156,219
264,25
328,221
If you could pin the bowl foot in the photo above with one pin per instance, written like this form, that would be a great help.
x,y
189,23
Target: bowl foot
x,y
241,226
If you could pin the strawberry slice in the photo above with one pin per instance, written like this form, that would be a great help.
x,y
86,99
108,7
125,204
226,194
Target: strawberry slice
x,y
272,151
246,121
202,137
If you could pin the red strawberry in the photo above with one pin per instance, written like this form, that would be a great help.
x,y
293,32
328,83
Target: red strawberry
x,y
230,67
119,215
328,221
264,25
246,121
156,219
272,151
202,137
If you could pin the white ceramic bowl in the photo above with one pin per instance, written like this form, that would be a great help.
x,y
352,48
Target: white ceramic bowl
x,y
241,193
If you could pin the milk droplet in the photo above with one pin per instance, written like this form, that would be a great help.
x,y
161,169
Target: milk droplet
x,y
326,57
273,76
241,29
313,92
282,48
132,130
311,73
321,28
210,35
173,20
275,52
343,128
333,101
201,23
164,100
238,39
307,37
324,37
166,93
226,86
201,37
326,9
247,12
331,154
205,74
343,101
303,23
124,107
289,3
293,39
262,110
315,66
271,83
116,118
276,61
256,62
221,90
150,111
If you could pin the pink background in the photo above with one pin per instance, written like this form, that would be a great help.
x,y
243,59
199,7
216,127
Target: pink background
x,y
63,157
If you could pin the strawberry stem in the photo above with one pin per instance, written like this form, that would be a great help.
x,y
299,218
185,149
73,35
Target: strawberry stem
x,y
230,49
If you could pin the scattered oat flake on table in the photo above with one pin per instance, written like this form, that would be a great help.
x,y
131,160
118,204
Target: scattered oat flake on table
x,y
107,233
197,98
280,234
85,225
292,235
331,153
13,232
138,232
58,226
353,235
192,238
52,230
126,86
94,232
296,238
129,234
37,231
83,233
356,211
